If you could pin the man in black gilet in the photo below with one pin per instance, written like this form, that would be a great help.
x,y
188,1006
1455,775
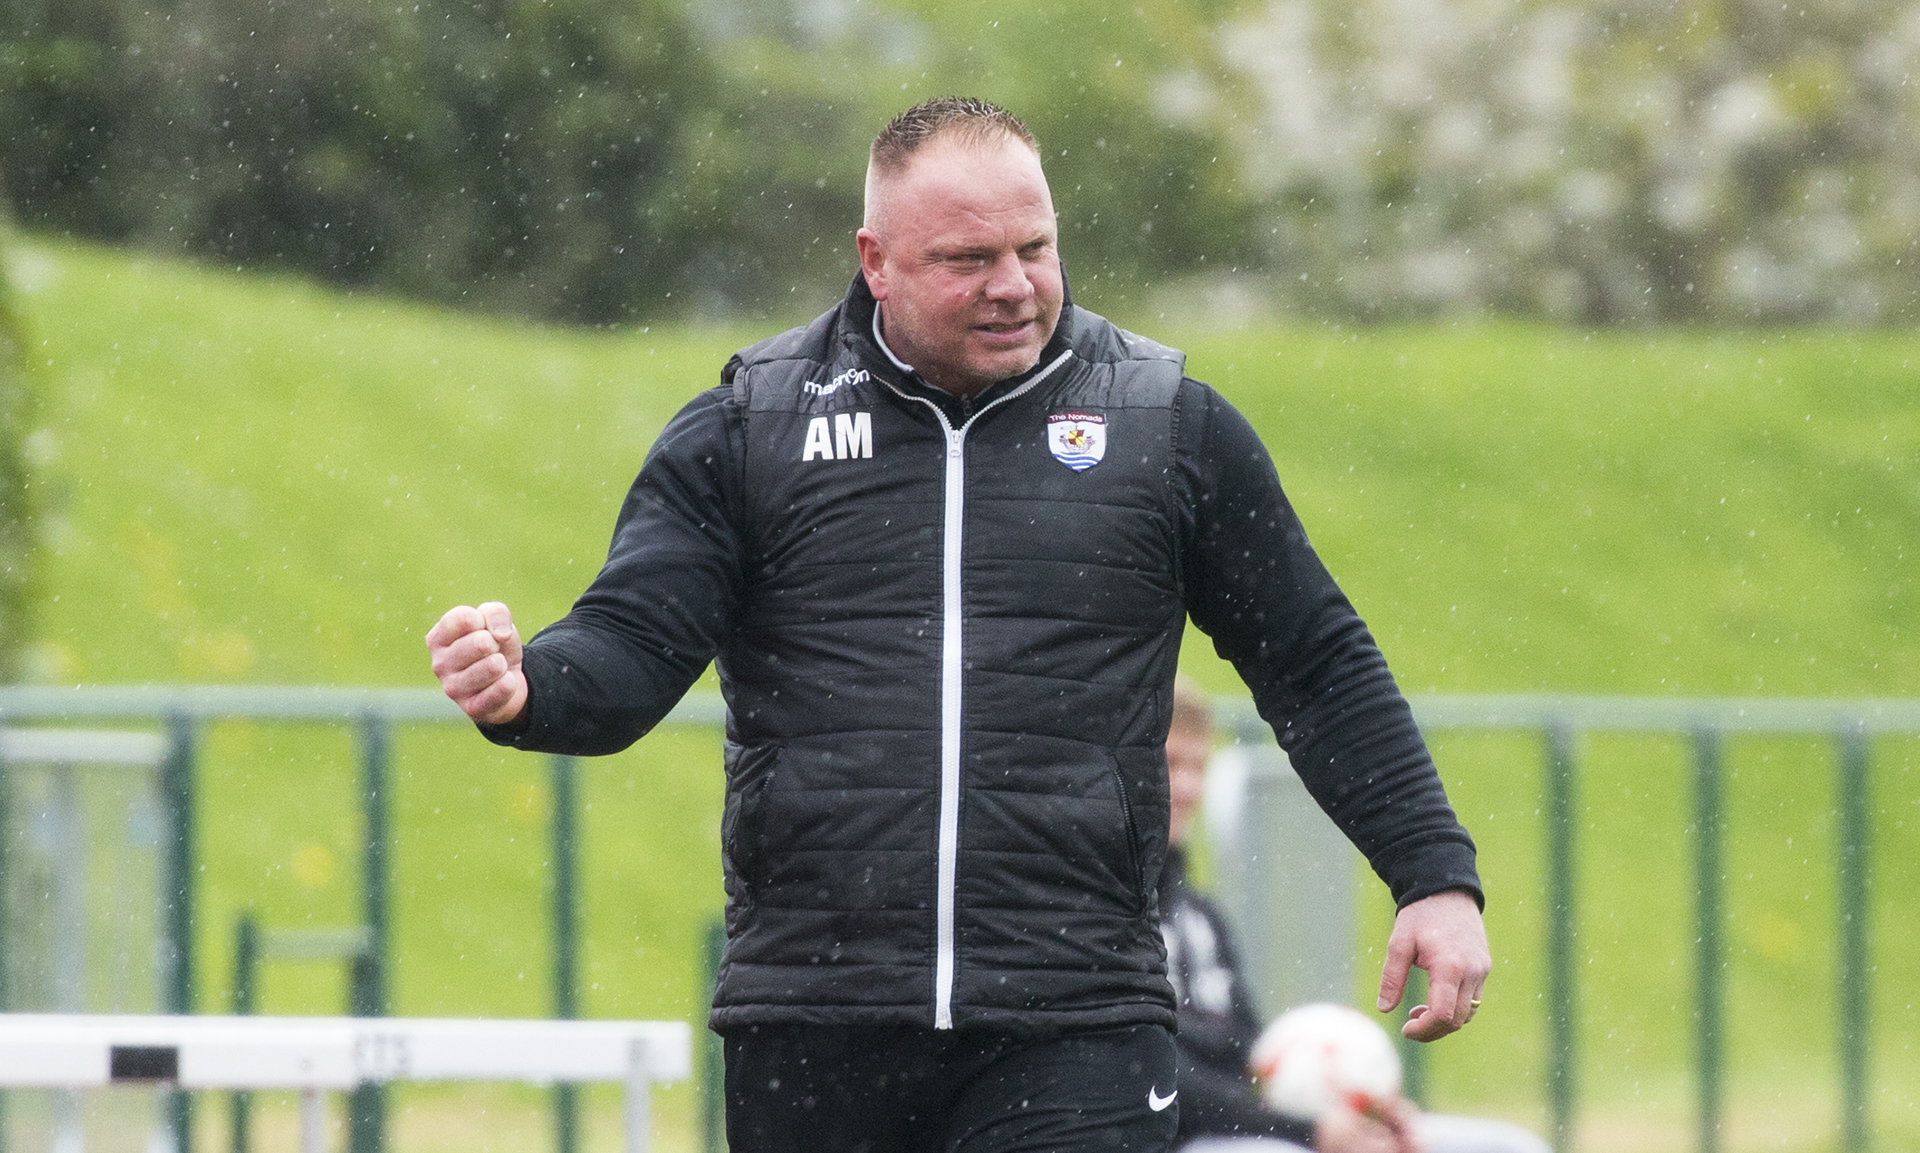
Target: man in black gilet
x,y
941,544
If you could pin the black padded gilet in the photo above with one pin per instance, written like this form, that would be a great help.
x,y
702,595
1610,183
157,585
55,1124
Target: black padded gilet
x,y
1071,620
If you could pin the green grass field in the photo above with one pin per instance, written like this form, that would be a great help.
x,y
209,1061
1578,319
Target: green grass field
x,y
258,480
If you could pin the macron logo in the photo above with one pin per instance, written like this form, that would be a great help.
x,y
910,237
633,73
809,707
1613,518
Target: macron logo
x,y
851,376
849,437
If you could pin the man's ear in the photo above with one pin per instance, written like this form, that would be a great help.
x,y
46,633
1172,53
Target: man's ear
x,y
873,262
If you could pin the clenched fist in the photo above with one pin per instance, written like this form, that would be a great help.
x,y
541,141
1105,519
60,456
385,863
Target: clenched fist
x,y
476,655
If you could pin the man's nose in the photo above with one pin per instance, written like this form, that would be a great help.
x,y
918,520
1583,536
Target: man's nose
x,y
1008,280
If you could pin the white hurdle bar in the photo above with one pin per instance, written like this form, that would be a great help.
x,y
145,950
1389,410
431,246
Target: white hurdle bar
x,y
317,1054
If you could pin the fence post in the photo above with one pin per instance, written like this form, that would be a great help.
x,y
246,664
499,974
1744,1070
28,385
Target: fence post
x,y
566,961
1413,1054
713,1077
367,1104
176,797
6,894
6,906
1707,868
1854,815
246,968
1562,999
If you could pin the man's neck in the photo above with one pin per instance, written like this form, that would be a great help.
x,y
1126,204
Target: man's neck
x,y
951,388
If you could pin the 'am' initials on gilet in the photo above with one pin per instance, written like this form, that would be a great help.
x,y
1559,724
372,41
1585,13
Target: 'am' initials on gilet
x,y
849,437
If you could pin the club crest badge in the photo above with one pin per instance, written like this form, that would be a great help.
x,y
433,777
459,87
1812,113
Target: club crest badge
x,y
1078,439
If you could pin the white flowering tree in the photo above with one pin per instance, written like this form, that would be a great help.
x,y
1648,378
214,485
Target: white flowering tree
x,y
1732,161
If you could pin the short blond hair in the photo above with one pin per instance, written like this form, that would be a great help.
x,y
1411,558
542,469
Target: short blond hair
x,y
968,119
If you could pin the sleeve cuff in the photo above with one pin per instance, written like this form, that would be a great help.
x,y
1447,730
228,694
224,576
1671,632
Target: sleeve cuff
x,y
511,734
1435,868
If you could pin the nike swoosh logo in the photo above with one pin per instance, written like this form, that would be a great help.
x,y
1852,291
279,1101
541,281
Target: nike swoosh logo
x,y
1156,1102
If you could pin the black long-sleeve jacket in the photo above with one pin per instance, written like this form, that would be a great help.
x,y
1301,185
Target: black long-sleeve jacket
x,y
946,631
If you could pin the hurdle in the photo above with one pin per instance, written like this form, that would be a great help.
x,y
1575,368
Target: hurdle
x,y
71,758
316,1055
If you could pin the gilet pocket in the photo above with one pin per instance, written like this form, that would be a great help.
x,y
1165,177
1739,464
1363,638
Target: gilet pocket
x,y
1134,872
743,822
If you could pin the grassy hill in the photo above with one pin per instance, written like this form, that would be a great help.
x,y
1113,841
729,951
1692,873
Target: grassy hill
x,y
258,480
1662,513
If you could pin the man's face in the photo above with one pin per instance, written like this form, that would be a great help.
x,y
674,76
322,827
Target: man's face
x,y
1188,744
962,254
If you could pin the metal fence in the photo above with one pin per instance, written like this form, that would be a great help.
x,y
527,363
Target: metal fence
x,y
182,712
1707,724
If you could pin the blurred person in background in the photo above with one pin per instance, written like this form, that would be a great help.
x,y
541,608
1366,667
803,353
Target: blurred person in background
x,y
941,545
1220,1106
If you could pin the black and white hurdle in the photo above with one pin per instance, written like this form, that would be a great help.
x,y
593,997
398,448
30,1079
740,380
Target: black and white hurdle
x,y
316,1055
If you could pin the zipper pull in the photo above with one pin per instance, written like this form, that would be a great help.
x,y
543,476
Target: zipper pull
x,y
953,443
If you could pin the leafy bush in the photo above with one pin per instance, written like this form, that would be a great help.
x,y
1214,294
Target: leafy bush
x,y
1589,161
493,153
567,159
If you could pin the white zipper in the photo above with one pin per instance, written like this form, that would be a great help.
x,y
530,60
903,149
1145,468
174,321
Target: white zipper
x,y
951,667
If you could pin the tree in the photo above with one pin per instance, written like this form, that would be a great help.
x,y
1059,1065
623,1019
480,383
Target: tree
x,y
1713,160
505,153
584,161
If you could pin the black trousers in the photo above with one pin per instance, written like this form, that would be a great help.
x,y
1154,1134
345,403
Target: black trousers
x,y
853,1089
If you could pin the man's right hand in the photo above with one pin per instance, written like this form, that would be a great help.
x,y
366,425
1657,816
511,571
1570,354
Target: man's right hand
x,y
476,655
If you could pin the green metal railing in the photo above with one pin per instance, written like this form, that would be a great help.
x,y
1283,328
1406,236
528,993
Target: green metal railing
x,y
183,711
176,799
1559,721
566,936
1560,955
713,1073
252,945
1707,724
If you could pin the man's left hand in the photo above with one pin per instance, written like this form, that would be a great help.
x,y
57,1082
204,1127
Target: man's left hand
x,y
1444,935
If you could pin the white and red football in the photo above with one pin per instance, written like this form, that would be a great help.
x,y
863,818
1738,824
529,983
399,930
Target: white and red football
x,y
1314,1056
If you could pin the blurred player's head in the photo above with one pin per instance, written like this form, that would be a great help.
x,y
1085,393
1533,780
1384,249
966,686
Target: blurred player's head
x,y
1189,741
960,245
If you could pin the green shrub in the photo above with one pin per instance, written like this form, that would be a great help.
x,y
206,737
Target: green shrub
x,y
569,160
